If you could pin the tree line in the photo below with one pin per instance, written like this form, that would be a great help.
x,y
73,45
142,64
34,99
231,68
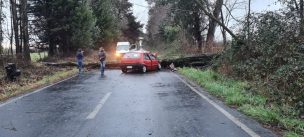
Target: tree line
x,y
64,25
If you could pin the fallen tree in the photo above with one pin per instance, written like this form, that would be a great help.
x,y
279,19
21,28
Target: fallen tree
x,y
193,61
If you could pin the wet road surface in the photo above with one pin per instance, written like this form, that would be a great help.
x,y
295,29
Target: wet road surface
x,y
156,104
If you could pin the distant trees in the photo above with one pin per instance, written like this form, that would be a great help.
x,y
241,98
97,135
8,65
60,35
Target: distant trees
x,y
198,18
65,25
19,13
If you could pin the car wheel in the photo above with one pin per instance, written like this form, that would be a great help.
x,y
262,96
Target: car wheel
x,y
159,67
144,69
124,70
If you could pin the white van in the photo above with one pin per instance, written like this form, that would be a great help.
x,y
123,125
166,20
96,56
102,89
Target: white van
x,y
122,48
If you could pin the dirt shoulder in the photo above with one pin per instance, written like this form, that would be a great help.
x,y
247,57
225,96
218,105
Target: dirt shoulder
x,y
32,77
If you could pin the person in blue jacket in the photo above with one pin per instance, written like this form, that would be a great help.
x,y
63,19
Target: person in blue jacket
x,y
102,58
79,58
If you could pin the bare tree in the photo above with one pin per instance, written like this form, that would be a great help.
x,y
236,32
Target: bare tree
x,y
301,17
213,23
223,31
248,20
15,26
210,15
1,31
24,30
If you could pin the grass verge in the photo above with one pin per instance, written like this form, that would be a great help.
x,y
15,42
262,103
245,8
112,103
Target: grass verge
x,y
235,93
15,89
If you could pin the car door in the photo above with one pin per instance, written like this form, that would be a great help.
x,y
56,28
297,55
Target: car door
x,y
147,61
154,61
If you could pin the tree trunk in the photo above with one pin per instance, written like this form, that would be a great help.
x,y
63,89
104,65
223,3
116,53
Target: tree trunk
x,y
197,32
248,21
301,18
12,32
24,30
15,25
213,24
51,47
1,31
223,30
219,22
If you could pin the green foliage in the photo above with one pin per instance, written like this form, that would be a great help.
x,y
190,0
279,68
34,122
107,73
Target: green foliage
x,y
261,113
133,30
273,56
38,56
83,27
69,24
105,20
232,91
183,15
291,134
293,124
79,23
169,33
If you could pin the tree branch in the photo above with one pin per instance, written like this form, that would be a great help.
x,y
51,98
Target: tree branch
x,y
216,20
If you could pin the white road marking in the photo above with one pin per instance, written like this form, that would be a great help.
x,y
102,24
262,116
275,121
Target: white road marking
x,y
227,114
25,95
99,106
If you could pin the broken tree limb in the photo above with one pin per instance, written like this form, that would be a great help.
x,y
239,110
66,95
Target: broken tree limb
x,y
193,61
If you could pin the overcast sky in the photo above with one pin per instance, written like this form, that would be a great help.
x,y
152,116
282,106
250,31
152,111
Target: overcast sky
x,y
257,6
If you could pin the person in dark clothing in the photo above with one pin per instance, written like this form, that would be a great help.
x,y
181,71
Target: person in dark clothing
x,y
102,58
79,59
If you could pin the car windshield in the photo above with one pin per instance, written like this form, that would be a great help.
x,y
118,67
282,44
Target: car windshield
x,y
122,47
132,55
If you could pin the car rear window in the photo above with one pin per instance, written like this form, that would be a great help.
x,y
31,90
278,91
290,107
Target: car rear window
x,y
131,56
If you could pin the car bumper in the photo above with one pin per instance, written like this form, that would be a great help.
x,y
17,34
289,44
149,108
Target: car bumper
x,y
131,66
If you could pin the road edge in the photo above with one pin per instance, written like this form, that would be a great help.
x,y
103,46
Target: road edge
x,y
256,127
22,95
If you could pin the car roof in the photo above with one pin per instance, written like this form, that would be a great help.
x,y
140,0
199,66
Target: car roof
x,y
139,51
123,43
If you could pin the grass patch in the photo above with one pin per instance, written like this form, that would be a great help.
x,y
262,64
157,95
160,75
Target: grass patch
x,y
232,91
235,93
14,89
261,113
35,57
291,134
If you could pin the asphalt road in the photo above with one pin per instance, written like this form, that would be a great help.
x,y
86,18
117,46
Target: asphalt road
x,y
156,104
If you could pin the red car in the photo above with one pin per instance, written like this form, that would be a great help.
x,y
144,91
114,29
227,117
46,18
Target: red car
x,y
140,61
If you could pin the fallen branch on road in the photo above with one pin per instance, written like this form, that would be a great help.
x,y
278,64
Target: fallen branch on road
x,y
194,61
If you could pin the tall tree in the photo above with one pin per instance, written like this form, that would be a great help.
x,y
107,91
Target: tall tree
x,y
67,24
14,13
213,23
132,32
105,20
296,8
1,22
24,29
190,16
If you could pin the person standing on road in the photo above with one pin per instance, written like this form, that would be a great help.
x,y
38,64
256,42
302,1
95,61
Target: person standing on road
x,y
79,58
102,59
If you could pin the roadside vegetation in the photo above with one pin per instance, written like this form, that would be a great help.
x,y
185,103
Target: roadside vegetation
x,y
32,79
35,57
258,69
239,94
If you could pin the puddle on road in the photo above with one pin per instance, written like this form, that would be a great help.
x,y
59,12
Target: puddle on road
x,y
160,85
163,94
